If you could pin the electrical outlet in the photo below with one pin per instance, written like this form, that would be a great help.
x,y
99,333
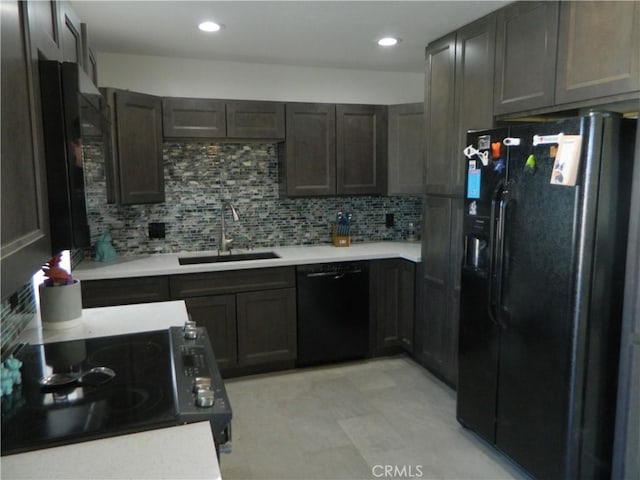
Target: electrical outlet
x,y
389,220
157,230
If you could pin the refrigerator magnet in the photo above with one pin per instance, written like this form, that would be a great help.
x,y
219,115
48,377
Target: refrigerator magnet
x,y
473,180
565,167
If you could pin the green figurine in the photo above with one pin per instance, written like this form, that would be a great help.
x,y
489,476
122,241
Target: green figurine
x,y
104,250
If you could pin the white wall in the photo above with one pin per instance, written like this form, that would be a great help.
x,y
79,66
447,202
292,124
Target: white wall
x,y
182,77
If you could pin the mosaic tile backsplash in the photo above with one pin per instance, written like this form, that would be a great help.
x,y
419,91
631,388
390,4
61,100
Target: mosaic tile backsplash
x,y
15,313
200,177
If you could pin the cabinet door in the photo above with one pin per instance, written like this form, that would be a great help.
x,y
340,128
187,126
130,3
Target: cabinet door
x,y
437,327
266,326
89,61
598,50
255,120
139,153
406,155
393,283
310,150
406,305
25,225
218,315
385,293
439,111
71,35
361,149
475,46
525,65
193,118
44,25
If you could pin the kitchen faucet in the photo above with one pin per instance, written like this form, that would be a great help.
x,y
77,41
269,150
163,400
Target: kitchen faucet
x,y
225,243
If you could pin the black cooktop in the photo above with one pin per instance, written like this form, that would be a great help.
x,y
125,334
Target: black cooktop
x,y
139,397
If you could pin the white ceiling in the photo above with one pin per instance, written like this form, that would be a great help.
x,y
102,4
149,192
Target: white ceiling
x,y
334,34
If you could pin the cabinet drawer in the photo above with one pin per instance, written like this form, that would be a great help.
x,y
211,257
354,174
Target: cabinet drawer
x,y
123,291
233,281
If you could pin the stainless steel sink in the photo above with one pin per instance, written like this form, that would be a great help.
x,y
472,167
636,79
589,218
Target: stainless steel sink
x,y
237,257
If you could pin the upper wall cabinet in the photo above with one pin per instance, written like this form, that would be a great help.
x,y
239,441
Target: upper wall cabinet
x,y
406,156
259,120
598,50
335,150
458,97
71,34
89,62
193,118
361,149
137,168
310,150
526,43
222,119
25,225
439,111
551,54
44,24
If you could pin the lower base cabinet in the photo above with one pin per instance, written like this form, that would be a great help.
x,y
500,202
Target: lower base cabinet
x,y
393,309
218,315
266,327
248,329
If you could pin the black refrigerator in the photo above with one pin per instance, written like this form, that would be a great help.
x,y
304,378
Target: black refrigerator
x,y
545,231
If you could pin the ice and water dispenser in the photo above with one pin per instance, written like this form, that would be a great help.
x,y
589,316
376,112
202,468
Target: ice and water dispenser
x,y
476,255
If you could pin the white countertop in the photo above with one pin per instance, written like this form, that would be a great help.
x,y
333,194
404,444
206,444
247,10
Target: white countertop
x,y
167,263
180,452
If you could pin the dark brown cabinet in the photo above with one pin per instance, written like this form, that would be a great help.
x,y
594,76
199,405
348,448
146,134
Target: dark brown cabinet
x,y
526,43
255,120
251,314
458,98
193,118
71,35
124,291
555,55
406,155
310,150
335,150
361,149
25,243
44,26
439,111
89,62
439,290
218,315
266,327
137,164
392,285
475,52
222,119
598,50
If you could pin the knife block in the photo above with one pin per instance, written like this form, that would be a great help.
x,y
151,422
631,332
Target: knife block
x,y
339,240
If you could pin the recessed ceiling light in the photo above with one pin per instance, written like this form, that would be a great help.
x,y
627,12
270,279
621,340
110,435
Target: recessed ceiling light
x,y
209,26
388,41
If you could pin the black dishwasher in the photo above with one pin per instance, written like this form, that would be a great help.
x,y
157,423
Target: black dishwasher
x,y
333,312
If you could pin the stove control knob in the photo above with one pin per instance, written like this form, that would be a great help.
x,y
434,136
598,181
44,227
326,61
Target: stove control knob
x,y
190,333
201,383
205,398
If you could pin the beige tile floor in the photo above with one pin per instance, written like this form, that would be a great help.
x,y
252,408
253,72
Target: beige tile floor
x,y
353,421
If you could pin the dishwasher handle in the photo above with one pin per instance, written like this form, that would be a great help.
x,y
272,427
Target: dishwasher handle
x,y
336,273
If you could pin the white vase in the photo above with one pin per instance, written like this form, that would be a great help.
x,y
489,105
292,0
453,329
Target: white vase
x,y
61,306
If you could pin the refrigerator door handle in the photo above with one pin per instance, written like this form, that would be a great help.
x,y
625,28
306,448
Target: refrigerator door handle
x,y
505,199
496,201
